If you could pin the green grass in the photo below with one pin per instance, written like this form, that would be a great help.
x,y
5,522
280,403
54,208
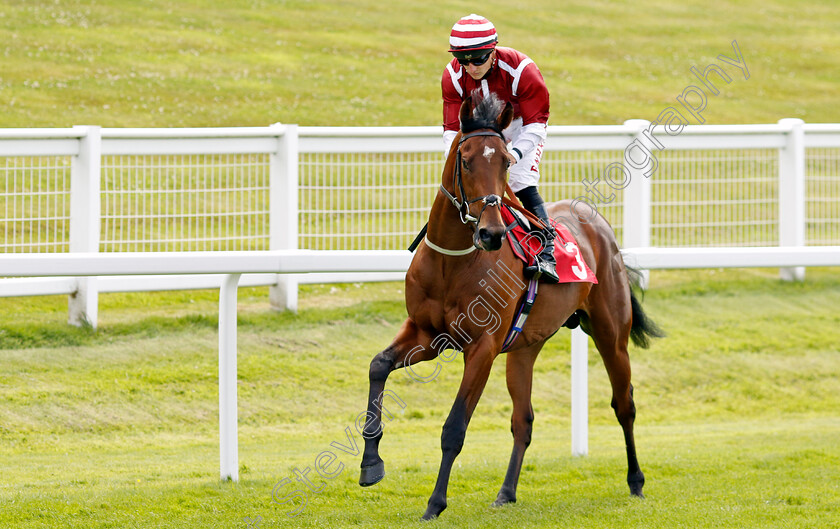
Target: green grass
x,y
118,427
332,63
255,62
737,414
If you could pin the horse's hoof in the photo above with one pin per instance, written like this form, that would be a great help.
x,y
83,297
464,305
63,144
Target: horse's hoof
x,y
504,499
636,482
500,502
433,510
373,474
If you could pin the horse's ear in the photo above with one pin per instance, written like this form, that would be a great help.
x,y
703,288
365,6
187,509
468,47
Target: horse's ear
x,y
505,117
466,109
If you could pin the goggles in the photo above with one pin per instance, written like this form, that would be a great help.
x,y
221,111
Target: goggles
x,y
476,61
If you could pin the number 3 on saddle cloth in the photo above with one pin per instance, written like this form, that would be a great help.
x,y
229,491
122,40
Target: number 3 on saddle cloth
x,y
571,267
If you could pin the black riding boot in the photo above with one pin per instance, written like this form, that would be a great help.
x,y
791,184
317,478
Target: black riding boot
x,y
545,264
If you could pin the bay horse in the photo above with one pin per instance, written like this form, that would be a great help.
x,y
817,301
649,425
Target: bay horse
x,y
447,293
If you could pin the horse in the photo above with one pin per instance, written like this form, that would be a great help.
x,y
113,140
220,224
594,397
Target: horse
x,y
447,292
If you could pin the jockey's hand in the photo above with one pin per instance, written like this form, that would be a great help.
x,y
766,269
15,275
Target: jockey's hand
x,y
511,158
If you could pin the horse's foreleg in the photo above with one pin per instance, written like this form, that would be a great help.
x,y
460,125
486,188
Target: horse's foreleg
x,y
520,369
409,347
476,371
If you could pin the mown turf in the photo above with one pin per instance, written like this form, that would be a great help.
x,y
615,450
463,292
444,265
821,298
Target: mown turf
x,y
331,62
118,427
738,422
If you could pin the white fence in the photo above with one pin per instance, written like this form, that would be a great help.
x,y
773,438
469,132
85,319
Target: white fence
x,y
87,189
233,264
123,210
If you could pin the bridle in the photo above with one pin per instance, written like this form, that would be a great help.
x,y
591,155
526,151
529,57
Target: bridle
x,y
463,206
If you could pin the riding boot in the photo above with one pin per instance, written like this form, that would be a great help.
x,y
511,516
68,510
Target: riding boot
x,y
545,264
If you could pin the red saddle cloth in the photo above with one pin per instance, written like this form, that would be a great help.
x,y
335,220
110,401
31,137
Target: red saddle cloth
x,y
571,267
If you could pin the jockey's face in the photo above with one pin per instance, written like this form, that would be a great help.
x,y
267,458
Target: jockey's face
x,y
477,72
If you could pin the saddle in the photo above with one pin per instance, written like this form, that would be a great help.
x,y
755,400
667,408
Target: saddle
x,y
524,234
527,243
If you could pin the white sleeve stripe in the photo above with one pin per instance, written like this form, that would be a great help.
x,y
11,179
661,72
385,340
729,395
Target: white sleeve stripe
x,y
516,74
485,88
455,77
506,67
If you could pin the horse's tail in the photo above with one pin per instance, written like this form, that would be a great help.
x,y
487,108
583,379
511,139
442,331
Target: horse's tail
x,y
643,328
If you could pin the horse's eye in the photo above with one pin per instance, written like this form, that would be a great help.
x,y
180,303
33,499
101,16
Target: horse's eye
x,y
464,164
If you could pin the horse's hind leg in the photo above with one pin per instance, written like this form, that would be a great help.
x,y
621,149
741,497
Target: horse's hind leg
x,y
520,370
409,347
608,323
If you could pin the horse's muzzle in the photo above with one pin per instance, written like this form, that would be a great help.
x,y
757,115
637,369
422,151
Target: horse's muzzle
x,y
489,239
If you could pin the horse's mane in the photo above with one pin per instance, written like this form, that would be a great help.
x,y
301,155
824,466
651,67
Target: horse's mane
x,y
485,114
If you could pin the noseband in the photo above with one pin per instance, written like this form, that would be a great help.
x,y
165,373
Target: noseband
x,y
463,205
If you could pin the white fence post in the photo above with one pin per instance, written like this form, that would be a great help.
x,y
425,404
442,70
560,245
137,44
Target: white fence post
x,y
283,211
228,416
580,393
85,221
792,193
637,195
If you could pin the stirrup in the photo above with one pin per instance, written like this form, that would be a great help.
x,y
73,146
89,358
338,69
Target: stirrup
x,y
543,273
548,272
543,269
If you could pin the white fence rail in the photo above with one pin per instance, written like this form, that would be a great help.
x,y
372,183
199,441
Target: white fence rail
x,y
125,209
87,189
233,264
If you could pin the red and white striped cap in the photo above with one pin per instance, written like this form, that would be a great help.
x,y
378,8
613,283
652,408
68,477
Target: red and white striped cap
x,y
473,32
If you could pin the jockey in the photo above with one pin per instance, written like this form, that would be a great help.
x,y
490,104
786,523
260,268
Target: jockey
x,y
515,79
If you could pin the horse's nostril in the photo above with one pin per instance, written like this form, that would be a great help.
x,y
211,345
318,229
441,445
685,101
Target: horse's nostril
x,y
496,240
490,239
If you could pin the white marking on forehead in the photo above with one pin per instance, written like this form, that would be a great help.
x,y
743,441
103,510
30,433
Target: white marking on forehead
x,y
489,152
